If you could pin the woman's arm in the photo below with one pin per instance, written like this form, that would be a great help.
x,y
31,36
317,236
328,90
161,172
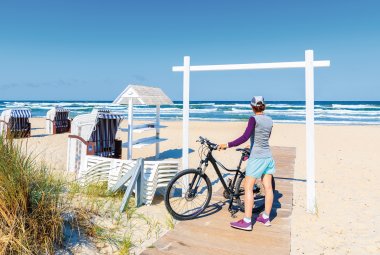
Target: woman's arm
x,y
247,133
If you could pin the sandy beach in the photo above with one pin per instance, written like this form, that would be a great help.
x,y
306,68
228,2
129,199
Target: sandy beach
x,y
347,178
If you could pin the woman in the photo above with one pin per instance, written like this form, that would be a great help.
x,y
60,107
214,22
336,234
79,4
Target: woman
x,y
260,162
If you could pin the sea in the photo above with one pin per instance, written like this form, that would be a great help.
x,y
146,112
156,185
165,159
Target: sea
x,y
326,112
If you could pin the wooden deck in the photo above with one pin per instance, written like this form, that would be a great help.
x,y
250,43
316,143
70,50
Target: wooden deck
x,y
211,234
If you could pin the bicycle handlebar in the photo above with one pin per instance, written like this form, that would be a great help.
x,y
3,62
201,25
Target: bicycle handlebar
x,y
211,145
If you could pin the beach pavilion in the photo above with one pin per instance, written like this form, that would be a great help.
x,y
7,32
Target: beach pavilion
x,y
308,64
148,96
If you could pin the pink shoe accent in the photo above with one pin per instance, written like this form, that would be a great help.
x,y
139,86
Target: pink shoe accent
x,y
241,224
261,219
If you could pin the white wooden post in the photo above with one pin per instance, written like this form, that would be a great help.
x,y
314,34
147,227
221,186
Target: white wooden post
x,y
186,110
130,128
185,119
157,131
310,146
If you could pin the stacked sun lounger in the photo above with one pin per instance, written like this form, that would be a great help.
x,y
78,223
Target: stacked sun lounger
x,y
57,121
15,123
100,169
156,174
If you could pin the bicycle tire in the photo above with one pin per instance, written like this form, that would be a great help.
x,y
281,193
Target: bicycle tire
x,y
260,206
168,205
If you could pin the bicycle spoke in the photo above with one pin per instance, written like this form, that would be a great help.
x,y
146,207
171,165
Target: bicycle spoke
x,y
258,194
188,198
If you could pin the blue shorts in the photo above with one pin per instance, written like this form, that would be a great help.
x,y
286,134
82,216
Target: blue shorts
x,y
257,167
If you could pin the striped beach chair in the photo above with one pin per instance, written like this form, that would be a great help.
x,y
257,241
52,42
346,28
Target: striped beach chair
x,y
15,123
93,134
58,121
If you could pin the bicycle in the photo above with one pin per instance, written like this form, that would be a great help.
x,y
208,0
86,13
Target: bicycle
x,y
192,187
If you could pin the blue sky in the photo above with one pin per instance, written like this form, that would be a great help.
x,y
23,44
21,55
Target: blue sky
x,y
91,50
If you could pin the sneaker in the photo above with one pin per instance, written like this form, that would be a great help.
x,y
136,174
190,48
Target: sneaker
x,y
261,219
241,224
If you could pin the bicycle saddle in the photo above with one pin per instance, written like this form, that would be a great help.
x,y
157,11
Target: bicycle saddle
x,y
245,153
243,150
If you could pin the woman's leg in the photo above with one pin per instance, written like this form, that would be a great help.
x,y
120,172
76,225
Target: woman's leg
x,y
248,196
267,182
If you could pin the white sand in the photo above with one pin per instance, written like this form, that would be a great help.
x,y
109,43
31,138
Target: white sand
x,y
347,175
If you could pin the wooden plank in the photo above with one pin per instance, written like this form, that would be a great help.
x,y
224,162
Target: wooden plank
x,y
136,182
212,235
120,183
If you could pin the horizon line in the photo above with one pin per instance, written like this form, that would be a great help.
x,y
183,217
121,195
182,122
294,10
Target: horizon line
x,y
107,101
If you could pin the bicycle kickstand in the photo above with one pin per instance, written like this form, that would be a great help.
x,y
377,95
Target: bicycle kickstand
x,y
231,210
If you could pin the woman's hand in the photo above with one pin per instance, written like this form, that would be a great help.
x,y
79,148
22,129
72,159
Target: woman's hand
x,y
222,147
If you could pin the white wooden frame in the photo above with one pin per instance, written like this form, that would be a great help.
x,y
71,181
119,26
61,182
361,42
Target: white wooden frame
x,y
309,64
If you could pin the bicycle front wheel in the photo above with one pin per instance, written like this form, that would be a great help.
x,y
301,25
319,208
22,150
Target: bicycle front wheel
x,y
188,194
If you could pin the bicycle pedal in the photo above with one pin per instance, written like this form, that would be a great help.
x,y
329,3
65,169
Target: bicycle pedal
x,y
233,213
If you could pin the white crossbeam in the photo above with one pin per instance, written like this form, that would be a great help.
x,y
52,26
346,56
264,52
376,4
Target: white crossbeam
x,y
254,66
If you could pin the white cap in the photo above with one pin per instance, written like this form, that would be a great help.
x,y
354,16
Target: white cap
x,y
256,100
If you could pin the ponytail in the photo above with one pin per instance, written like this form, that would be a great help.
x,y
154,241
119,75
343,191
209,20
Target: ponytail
x,y
259,108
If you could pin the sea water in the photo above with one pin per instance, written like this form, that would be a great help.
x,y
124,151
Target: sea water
x,y
326,112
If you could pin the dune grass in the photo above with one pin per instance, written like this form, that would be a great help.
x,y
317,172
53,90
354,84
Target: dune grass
x,y
34,203
30,214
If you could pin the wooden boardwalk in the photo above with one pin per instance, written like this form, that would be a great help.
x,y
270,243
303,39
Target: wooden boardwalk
x,y
212,234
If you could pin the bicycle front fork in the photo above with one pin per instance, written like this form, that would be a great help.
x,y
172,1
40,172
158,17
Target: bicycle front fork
x,y
230,196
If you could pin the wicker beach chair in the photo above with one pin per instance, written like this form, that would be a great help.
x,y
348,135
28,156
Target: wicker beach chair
x,y
57,121
15,123
93,134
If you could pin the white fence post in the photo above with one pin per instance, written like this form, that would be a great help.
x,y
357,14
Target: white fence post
x,y
185,121
310,145
157,131
130,128
186,110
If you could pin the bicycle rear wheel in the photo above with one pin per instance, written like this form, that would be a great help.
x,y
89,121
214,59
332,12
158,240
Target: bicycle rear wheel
x,y
188,194
258,195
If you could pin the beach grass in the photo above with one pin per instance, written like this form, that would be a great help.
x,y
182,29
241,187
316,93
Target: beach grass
x,y
41,209
30,213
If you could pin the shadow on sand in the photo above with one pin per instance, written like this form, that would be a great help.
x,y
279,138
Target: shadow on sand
x,y
170,154
224,203
42,135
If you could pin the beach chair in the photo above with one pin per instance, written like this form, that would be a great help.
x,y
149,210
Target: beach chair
x,y
93,134
57,121
15,123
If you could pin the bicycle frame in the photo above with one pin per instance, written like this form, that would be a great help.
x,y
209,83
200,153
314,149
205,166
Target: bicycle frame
x,y
228,188
234,190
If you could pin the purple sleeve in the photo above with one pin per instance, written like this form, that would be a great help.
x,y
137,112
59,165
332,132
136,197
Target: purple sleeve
x,y
247,133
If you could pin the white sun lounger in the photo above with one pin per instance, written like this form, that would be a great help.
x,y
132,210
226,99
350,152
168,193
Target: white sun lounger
x,y
156,174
